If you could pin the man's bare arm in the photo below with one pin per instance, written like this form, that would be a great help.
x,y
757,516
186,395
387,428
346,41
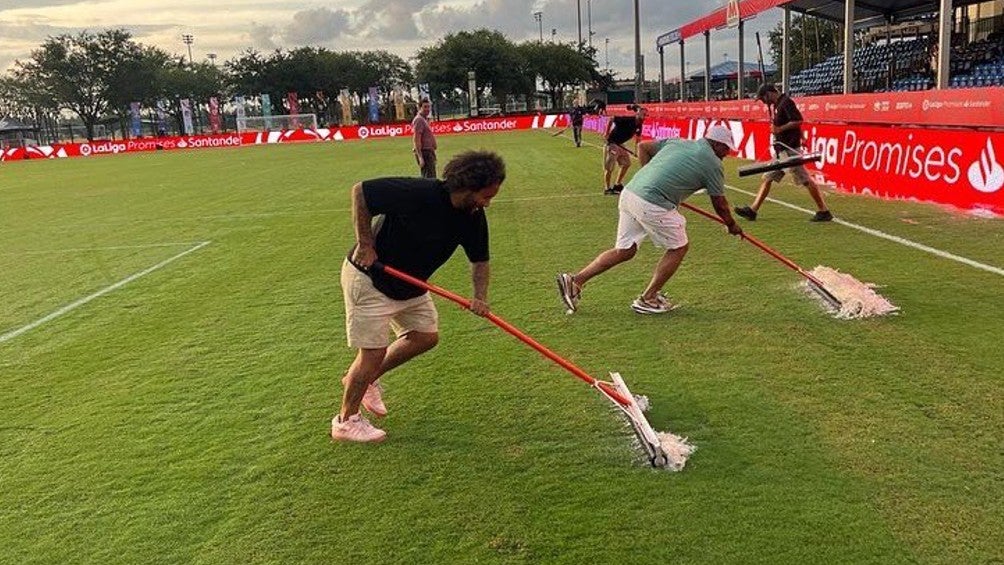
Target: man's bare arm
x,y
365,253
647,150
721,205
480,274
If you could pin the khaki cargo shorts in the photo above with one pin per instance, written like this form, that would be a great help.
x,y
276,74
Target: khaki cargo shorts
x,y
615,155
799,173
370,315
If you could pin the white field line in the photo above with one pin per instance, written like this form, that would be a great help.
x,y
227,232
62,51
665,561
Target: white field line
x,y
108,248
877,233
890,237
78,303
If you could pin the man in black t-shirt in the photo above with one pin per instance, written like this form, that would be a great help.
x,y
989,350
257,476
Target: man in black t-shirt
x,y
414,225
787,130
620,130
577,116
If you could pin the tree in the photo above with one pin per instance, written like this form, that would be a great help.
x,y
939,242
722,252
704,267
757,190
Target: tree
x,y
811,41
197,82
494,59
559,66
80,72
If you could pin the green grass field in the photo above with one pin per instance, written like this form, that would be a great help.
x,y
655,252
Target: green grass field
x,y
184,417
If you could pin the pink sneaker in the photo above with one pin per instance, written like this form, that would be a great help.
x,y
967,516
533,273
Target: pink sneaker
x,y
356,428
373,399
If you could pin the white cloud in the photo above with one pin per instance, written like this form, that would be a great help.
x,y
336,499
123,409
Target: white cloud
x,y
227,27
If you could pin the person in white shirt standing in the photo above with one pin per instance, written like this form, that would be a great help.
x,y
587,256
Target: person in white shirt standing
x,y
424,141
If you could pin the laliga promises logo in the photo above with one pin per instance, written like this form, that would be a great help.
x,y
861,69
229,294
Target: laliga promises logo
x,y
85,149
364,132
986,174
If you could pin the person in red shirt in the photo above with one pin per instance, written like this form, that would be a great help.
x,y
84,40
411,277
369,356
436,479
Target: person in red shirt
x,y
424,141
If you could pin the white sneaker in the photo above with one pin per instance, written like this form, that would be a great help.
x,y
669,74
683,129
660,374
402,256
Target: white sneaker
x,y
355,428
660,305
372,399
569,293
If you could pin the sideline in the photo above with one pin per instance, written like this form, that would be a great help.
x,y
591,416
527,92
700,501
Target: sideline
x,y
78,303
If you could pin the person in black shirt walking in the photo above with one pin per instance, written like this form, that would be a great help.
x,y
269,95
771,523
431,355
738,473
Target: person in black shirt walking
x,y
620,130
787,130
414,225
577,115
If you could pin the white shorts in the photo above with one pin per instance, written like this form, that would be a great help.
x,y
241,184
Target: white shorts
x,y
640,218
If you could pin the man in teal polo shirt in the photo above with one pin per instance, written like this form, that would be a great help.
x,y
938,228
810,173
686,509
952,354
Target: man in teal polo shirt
x,y
672,170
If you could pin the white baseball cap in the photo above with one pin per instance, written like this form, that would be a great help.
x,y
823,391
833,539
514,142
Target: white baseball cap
x,y
721,134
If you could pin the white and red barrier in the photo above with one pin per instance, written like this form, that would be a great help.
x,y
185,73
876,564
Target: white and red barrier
x,y
376,131
961,168
957,107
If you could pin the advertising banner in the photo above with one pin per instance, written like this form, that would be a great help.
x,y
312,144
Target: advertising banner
x,y
374,105
266,109
136,124
161,118
294,108
186,116
240,112
214,115
345,100
961,168
399,104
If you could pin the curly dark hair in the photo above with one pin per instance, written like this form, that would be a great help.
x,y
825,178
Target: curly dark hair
x,y
474,170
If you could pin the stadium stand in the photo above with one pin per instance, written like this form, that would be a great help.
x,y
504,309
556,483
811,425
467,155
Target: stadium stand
x,y
906,65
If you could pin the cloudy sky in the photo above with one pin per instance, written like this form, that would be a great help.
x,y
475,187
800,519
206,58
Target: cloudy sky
x,y
226,27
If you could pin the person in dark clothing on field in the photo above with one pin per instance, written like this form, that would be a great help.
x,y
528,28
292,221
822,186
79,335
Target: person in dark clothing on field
x,y
414,225
620,130
787,130
577,114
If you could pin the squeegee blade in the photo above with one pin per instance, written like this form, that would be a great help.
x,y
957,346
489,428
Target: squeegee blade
x,y
646,435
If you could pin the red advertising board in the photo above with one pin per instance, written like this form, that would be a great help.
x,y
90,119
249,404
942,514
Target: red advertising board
x,y
447,127
961,168
960,107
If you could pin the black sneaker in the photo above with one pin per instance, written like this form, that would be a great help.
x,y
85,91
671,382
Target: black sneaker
x,y
824,216
746,212
610,191
618,188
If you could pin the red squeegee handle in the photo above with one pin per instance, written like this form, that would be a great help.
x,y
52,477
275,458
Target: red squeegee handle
x,y
608,389
787,262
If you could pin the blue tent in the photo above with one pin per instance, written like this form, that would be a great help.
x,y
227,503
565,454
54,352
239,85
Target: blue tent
x,y
729,70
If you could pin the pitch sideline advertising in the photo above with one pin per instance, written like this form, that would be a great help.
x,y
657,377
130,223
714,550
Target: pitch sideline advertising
x,y
962,168
266,138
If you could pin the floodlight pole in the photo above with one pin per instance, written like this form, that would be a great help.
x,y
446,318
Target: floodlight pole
x,y
662,75
707,65
683,71
637,54
188,39
944,42
578,15
740,73
786,51
848,45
